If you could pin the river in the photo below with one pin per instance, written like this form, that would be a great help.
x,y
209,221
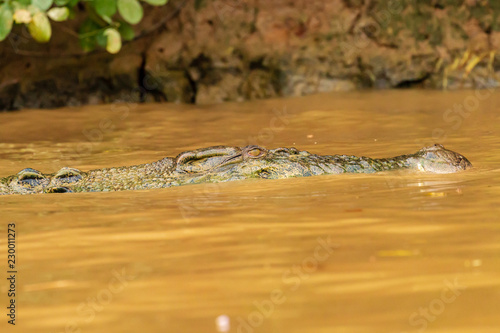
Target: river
x,y
389,252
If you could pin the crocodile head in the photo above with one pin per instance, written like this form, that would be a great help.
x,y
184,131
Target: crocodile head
x,y
29,181
218,164
438,159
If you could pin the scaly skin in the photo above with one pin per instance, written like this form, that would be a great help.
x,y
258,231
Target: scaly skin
x,y
222,164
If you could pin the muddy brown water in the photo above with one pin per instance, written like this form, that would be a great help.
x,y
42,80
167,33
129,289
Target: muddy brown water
x,y
389,252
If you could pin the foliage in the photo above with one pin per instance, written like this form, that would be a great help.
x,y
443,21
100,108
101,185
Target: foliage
x,y
108,22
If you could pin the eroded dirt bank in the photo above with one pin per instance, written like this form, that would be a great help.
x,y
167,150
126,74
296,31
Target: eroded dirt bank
x,y
212,51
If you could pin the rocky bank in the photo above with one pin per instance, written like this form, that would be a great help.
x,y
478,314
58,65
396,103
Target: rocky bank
x,y
210,51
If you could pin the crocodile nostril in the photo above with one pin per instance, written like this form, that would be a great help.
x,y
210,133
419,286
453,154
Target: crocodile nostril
x,y
58,190
29,173
68,175
30,177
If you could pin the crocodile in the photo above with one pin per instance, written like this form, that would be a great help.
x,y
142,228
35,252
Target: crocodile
x,y
225,163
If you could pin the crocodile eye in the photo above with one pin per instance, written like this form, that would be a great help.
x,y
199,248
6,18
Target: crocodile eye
x,y
203,160
256,152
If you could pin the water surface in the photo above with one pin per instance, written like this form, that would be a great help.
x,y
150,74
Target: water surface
x,y
389,252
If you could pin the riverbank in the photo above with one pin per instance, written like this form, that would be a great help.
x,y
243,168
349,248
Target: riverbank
x,y
214,51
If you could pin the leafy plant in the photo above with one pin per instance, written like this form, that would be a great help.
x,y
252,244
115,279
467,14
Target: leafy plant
x,y
103,26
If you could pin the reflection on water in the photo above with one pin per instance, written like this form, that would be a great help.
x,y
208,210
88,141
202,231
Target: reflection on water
x,y
389,252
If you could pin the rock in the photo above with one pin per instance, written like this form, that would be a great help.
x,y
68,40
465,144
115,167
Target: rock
x,y
219,87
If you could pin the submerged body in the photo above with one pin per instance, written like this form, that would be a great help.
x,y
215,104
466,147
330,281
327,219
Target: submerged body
x,y
221,164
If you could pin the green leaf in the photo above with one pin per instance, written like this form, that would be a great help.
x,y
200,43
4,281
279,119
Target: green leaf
x,y
61,3
24,2
156,2
33,9
72,12
105,7
114,40
126,31
21,16
39,27
58,14
107,19
18,5
72,3
101,39
5,21
87,33
42,4
130,10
